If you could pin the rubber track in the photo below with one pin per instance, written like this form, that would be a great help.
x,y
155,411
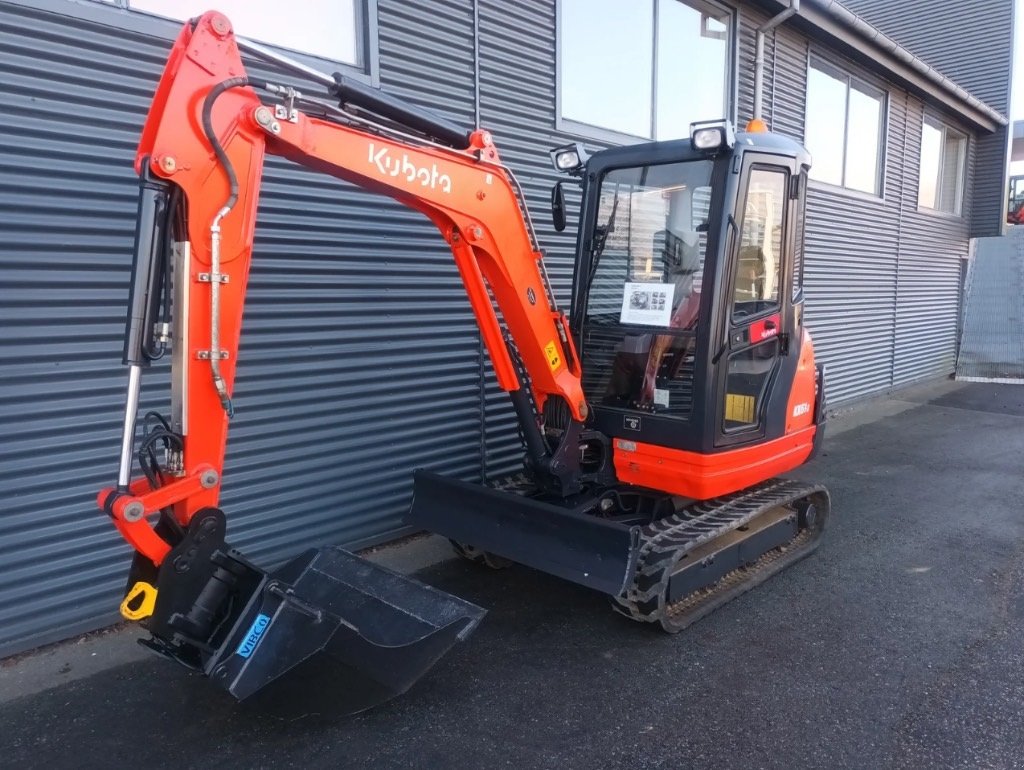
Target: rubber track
x,y
664,543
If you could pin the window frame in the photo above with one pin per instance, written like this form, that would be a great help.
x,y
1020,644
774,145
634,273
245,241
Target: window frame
x,y
118,13
944,128
611,136
816,61
733,320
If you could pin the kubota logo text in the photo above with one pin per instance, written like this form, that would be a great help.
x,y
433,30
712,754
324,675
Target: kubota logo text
x,y
391,166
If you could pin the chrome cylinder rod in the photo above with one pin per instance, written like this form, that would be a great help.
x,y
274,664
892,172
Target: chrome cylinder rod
x,y
131,411
268,55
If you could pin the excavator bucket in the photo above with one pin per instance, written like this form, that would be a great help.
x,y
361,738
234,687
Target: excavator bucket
x,y
331,617
327,625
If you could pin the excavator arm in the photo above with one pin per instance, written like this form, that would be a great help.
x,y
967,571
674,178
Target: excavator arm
x,y
201,160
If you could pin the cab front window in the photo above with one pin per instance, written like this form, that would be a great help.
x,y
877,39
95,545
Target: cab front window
x,y
643,303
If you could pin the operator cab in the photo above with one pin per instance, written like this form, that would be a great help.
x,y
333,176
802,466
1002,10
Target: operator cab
x,y
687,294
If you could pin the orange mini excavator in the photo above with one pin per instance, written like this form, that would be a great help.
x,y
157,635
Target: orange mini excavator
x,y
655,418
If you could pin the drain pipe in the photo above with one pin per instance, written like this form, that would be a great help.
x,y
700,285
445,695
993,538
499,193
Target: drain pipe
x,y
768,26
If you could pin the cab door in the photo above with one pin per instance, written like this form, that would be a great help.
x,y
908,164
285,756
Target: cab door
x,y
757,310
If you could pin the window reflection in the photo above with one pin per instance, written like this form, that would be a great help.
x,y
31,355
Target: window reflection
x,y
692,67
324,28
760,248
862,151
931,154
607,50
612,55
825,135
954,148
943,157
843,129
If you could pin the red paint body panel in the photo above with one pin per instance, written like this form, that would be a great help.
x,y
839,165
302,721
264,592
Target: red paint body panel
x,y
703,476
765,329
802,398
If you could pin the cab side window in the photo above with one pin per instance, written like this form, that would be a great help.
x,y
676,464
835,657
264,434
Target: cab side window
x,y
760,247
756,291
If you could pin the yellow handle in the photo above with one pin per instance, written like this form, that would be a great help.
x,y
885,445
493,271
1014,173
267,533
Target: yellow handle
x,y
146,596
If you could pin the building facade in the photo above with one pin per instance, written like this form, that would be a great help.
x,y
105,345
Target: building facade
x,y
360,358
948,36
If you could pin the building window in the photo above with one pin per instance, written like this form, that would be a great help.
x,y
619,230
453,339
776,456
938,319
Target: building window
x,y
943,158
329,29
643,68
844,129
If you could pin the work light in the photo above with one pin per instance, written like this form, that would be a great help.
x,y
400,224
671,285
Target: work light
x,y
712,135
569,159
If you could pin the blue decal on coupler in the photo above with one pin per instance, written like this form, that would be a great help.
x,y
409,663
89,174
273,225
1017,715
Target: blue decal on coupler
x,y
252,638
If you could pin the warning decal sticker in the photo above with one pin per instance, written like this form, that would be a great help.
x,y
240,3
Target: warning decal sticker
x,y
554,357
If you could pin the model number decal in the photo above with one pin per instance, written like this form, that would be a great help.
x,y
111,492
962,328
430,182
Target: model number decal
x,y
801,409
390,166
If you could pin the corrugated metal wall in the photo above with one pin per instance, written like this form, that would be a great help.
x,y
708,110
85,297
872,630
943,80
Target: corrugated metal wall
x,y
358,347
882,279
65,235
971,43
932,250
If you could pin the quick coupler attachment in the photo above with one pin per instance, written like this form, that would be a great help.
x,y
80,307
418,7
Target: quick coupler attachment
x,y
327,624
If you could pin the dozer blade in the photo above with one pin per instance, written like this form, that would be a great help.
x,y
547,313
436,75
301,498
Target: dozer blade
x,y
579,547
328,626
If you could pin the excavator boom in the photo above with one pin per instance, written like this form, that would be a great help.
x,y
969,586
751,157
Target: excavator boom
x,y
203,149
200,161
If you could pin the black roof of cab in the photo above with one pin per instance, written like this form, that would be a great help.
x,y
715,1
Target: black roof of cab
x,y
681,150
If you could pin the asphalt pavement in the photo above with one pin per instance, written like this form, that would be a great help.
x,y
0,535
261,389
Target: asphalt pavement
x,y
898,644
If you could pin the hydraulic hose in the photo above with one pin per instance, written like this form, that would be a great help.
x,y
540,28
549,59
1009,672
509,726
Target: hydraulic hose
x,y
211,136
160,296
232,199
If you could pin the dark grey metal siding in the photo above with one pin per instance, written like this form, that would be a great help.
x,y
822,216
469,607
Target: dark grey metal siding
x,y
358,348
972,44
952,38
65,235
992,158
932,247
